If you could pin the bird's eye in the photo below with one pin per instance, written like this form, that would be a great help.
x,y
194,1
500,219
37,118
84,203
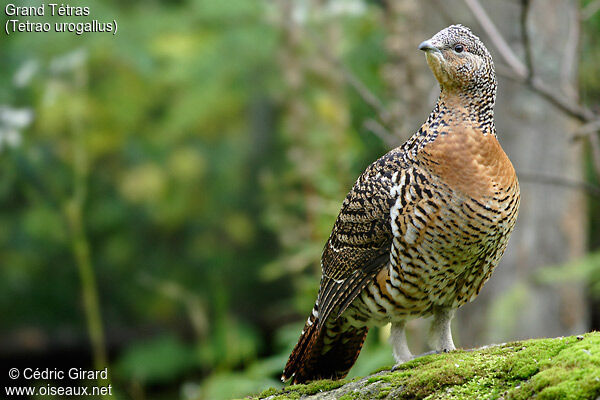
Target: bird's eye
x,y
459,48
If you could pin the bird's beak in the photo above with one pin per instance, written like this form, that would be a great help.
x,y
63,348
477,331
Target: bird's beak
x,y
427,46
435,59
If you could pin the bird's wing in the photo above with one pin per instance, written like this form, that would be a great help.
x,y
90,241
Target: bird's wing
x,y
360,242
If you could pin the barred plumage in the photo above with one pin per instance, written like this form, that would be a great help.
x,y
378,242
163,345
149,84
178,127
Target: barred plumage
x,y
423,227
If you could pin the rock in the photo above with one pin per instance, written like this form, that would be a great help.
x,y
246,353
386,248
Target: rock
x,y
505,371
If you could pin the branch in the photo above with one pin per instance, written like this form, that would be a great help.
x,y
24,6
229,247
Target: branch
x,y
587,129
559,100
520,71
590,189
494,34
525,39
363,91
569,106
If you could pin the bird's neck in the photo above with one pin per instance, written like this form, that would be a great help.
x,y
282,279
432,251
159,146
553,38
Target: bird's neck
x,y
456,108
454,112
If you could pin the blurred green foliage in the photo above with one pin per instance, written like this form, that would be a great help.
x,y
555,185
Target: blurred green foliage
x,y
206,197
215,150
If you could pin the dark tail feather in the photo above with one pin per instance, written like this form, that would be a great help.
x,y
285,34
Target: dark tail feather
x,y
328,353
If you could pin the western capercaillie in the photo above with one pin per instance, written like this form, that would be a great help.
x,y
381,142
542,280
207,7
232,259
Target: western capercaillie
x,y
422,228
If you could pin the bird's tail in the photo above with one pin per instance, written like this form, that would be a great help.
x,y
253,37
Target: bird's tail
x,y
326,353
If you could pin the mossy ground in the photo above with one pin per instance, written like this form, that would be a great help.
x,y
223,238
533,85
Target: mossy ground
x,y
560,368
297,391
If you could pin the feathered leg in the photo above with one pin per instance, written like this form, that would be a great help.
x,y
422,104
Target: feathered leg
x,y
440,335
398,341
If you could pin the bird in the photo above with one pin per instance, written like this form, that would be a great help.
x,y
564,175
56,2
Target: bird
x,y
423,227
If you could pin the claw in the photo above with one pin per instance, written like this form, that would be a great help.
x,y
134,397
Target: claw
x,y
396,367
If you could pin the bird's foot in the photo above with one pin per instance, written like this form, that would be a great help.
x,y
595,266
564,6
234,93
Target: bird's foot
x,y
402,361
399,365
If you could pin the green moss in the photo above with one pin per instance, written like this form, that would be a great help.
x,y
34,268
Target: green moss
x,y
561,368
571,373
383,393
297,391
268,392
320,386
384,368
373,379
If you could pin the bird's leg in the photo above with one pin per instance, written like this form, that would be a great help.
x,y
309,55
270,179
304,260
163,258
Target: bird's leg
x,y
440,335
398,341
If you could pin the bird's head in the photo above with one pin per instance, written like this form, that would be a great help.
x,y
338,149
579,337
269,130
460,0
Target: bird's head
x,y
459,60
